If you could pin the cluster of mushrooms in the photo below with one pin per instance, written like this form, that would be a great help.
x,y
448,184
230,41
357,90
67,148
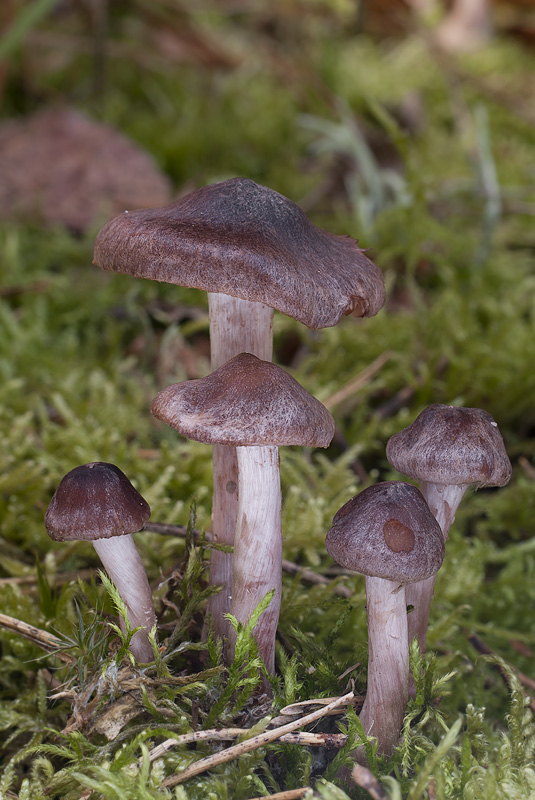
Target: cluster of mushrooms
x,y
254,251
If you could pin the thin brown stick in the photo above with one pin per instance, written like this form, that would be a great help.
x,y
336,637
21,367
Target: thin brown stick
x,y
189,738
291,794
39,637
13,291
174,530
367,780
313,577
59,578
355,384
251,744
330,741
296,708
288,566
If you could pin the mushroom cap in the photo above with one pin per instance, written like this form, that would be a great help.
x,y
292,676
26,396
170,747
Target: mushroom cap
x,y
387,531
95,501
245,402
60,167
451,445
245,240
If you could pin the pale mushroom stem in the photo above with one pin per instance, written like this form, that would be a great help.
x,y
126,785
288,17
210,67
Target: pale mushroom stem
x,y
443,501
387,691
236,326
125,569
258,547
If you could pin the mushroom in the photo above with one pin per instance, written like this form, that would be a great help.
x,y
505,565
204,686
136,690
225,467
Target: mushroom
x,y
59,167
253,251
388,534
254,406
96,502
446,449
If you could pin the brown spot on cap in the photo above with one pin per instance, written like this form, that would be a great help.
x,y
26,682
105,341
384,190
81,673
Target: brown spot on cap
x,y
248,241
387,531
398,537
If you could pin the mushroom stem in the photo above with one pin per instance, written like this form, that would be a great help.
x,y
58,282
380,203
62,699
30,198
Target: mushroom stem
x,y
258,548
125,569
443,501
387,693
236,326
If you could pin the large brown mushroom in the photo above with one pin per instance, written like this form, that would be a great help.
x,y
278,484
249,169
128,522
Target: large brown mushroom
x,y
97,503
446,449
254,406
253,251
388,534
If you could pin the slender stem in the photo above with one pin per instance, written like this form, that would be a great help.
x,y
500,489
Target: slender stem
x,y
236,326
388,663
125,569
258,547
443,501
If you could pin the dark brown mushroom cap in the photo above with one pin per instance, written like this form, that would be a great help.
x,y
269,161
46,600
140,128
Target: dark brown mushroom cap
x,y
245,402
95,501
387,531
451,445
245,240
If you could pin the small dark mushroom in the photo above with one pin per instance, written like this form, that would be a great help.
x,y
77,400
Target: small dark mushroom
x,y
96,502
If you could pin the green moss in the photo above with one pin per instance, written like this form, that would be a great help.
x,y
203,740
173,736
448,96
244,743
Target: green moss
x,y
446,201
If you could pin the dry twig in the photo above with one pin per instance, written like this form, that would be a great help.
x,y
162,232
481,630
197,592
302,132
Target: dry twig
x,y
251,744
291,794
59,578
39,637
356,383
288,566
327,740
